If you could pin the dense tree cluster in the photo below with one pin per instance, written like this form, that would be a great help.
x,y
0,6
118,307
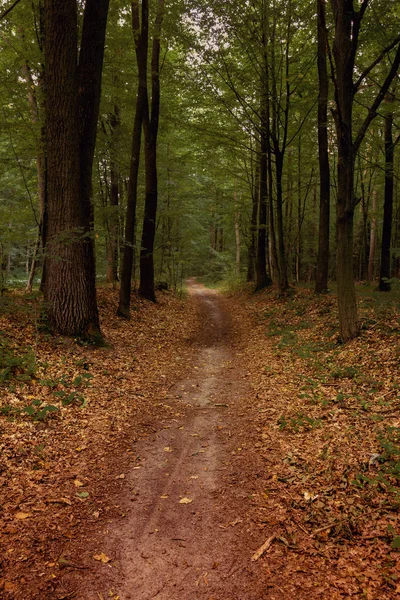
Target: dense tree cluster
x,y
156,139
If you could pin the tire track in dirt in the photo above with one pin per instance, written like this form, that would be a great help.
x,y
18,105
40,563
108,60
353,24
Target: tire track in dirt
x,y
198,548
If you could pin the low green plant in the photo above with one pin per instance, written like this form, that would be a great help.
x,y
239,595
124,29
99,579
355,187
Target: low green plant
x,y
39,411
299,421
15,366
388,474
70,392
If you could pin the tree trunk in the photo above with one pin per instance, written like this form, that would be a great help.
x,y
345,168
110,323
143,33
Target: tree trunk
x,y
141,37
347,29
321,280
282,282
372,239
385,271
113,218
253,225
262,279
72,101
150,125
237,236
343,52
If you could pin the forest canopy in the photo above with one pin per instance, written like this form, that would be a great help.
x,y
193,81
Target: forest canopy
x,y
145,142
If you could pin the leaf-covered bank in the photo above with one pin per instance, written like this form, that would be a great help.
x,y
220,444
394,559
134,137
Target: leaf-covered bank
x,y
328,422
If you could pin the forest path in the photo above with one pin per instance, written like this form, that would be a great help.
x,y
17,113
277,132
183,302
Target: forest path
x,y
184,537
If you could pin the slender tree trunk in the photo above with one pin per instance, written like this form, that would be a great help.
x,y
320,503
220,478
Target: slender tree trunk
x,y
40,168
141,36
385,271
113,219
372,239
262,279
150,125
282,282
237,236
321,280
253,225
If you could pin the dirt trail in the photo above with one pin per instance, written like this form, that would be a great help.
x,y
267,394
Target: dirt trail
x,y
186,536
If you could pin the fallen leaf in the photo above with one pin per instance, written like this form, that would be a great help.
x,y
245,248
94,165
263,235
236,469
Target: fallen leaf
x,y
185,501
22,515
102,558
167,449
82,494
78,483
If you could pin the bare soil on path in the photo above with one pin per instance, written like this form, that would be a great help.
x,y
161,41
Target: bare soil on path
x,y
187,532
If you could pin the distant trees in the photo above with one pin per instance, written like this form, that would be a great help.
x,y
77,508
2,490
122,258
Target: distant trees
x,y
219,174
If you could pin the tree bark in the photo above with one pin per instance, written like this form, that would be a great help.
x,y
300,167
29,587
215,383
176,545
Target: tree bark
x,y
372,239
321,280
113,217
255,192
385,270
141,37
72,104
150,126
347,29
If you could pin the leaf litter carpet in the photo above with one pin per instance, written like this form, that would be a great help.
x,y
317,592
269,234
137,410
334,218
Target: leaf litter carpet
x,y
207,460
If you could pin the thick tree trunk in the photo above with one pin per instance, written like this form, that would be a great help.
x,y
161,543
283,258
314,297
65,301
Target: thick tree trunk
x,y
385,271
344,51
150,125
69,292
321,280
72,104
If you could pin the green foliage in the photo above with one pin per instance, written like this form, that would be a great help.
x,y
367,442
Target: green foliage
x,y
71,389
39,411
300,421
388,474
14,364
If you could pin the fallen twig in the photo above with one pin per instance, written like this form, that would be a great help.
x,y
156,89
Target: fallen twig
x,y
262,549
323,528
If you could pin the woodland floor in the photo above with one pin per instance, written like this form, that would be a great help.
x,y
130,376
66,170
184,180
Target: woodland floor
x,y
206,430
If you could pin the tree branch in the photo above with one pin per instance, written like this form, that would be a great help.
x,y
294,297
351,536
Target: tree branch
x,y
365,73
9,9
379,97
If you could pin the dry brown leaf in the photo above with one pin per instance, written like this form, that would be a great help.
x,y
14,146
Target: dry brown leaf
x,y
22,515
102,558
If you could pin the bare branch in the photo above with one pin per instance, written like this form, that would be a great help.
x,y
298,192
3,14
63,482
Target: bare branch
x,y
379,97
9,9
365,73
